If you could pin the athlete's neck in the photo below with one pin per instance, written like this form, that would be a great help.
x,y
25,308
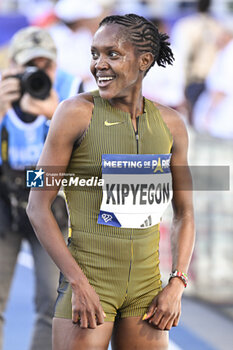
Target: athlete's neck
x,y
133,105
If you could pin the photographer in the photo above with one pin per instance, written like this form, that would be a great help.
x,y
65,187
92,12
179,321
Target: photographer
x,y
30,91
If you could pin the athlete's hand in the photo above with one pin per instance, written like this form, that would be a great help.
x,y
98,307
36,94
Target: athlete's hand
x,y
40,107
165,309
87,311
9,89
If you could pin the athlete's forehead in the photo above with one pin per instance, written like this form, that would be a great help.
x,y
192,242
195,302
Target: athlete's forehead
x,y
110,36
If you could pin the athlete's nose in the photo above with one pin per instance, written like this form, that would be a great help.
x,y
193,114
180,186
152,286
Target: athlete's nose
x,y
101,63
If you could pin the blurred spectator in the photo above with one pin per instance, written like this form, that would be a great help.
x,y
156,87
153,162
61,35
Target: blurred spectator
x,y
195,38
166,86
23,128
28,7
73,36
141,8
213,112
35,10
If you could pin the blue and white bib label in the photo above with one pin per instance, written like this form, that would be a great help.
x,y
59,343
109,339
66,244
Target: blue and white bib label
x,y
137,189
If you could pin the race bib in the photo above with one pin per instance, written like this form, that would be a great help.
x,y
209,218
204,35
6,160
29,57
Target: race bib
x,y
136,191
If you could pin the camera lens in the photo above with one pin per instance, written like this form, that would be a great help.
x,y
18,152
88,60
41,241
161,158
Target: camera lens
x,y
36,82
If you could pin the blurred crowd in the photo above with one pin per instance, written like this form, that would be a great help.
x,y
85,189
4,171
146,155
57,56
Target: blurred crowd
x,y
201,34
199,84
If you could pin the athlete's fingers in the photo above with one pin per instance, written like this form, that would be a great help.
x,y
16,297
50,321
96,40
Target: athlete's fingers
x,y
151,311
156,317
166,323
75,316
91,320
100,314
176,320
83,320
97,320
169,324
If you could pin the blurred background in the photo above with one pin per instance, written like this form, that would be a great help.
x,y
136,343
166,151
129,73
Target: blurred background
x,y
200,86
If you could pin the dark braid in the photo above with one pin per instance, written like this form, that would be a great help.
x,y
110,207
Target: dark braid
x,y
145,36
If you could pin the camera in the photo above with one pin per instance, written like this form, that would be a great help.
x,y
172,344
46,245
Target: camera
x,y
35,82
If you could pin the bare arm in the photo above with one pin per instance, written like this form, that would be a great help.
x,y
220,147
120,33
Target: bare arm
x,y
166,308
70,120
183,232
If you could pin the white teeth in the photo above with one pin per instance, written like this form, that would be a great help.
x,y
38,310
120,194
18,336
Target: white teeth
x,y
105,78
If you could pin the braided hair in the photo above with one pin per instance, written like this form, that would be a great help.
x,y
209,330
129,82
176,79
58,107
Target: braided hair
x,y
145,36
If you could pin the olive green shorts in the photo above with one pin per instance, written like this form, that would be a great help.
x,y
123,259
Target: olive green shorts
x,y
123,271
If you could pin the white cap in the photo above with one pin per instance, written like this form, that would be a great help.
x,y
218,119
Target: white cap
x,y
73,10
32,42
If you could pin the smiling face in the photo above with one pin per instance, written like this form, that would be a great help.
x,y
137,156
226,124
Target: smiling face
x,y
115,63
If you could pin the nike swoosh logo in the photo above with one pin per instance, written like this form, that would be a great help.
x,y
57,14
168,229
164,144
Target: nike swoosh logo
x,y
106,123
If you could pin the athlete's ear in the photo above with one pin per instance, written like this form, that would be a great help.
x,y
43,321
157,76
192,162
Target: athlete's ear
x,y
146,60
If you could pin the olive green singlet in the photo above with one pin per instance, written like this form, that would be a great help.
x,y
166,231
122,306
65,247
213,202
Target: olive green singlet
x,y
122,264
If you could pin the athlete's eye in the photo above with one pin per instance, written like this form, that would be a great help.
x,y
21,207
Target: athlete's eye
x,y
113,54
94,55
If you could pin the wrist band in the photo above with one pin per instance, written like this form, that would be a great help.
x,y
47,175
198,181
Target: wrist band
x,y
183,276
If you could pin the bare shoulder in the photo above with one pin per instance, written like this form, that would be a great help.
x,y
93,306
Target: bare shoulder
x,y
173,120
73,115
81,101
76,108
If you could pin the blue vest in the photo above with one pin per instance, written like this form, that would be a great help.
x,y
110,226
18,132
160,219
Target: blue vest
x,y
26,140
